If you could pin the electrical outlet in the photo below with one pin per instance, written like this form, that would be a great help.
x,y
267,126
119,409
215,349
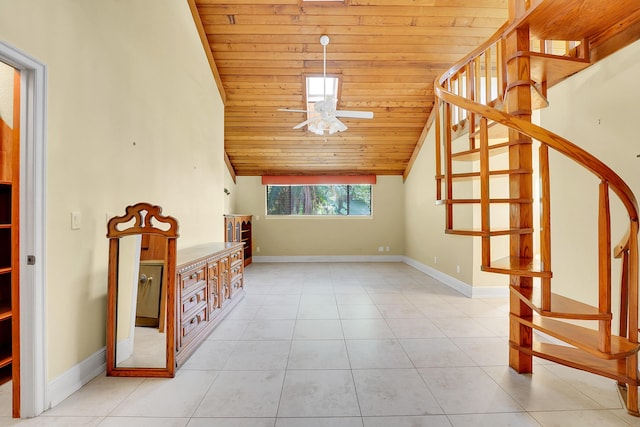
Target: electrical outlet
x,y
435,259
387,248
457,269
258,249
380,248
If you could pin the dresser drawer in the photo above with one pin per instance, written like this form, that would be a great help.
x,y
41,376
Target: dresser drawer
x,y
236,257
237,284
223,264
193,324
190,278
192,299
235,272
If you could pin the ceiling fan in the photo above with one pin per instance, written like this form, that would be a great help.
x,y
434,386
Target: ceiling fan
x,y
324,116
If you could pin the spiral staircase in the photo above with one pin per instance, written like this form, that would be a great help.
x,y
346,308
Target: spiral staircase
x,y
484,135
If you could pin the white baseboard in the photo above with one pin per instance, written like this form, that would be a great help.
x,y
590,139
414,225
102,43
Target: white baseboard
x,y
330,258
71,381
460,286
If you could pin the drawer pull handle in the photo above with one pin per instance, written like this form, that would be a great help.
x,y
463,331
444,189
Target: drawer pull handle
x,y
193,321
193,276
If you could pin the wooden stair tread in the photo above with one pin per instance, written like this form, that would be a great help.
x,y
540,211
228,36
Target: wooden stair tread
x,y
583,338
561,306
491,173
495,200
551,68
494,232
576,358
474,153
554,68
529,267
495,131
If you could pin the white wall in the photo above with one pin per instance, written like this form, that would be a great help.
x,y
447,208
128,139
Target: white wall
x,y
133,115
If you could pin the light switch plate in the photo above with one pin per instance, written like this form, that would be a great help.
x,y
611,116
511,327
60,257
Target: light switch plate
x,y
76,220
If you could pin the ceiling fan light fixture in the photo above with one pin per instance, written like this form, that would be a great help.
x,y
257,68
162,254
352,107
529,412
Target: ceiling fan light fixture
x,y
323,116
336,126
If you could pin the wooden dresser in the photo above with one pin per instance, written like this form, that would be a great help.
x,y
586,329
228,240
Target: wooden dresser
x,y
209,283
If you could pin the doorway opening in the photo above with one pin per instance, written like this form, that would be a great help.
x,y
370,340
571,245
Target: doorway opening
x,y
26,235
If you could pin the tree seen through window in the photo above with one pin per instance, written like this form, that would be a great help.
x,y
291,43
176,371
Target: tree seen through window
x,y
347,200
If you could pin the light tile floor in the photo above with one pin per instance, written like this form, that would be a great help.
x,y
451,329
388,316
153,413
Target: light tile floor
x,y
348,345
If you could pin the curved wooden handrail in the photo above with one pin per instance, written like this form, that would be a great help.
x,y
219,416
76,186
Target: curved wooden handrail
x,y
558,143
622,246
474,54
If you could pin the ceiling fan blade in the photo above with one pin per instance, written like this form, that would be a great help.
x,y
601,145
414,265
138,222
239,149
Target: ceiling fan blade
x,y
354,114
299,125
294,111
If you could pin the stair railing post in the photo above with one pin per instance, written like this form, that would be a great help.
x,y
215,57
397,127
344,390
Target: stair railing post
x,y
545,225
604,267
632,361
438,152
471,94
484,191
448,164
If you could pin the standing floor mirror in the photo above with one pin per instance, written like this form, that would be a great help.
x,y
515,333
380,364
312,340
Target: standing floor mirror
x,y
141,293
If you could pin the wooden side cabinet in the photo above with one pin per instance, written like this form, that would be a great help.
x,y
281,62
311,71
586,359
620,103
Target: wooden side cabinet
x,y
238,229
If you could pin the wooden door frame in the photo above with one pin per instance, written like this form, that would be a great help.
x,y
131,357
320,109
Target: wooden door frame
x,y
33,82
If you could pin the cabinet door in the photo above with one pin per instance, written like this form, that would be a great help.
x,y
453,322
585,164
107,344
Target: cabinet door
x,y
228,224
238,234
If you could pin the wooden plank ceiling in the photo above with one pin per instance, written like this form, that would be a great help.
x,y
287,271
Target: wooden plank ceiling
x,y
387,54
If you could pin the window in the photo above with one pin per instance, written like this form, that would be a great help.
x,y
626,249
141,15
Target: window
x,y
338,200
316,92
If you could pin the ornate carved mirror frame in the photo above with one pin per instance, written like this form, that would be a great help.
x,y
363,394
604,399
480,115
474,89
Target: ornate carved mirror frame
x,y
142,219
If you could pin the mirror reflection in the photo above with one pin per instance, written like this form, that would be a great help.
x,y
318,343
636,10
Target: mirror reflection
x,y
140,318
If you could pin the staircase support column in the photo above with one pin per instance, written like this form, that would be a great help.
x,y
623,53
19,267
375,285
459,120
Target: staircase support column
x,y
518,103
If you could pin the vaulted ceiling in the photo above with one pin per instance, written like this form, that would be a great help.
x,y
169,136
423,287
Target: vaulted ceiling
x,y
386,53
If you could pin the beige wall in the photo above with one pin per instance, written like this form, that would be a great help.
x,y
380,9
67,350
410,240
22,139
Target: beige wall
x,y
598,110
327,236
133,114
595,109
230,199
425,240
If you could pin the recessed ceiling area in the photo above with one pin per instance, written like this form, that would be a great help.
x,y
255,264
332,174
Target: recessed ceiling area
x,y
386,53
